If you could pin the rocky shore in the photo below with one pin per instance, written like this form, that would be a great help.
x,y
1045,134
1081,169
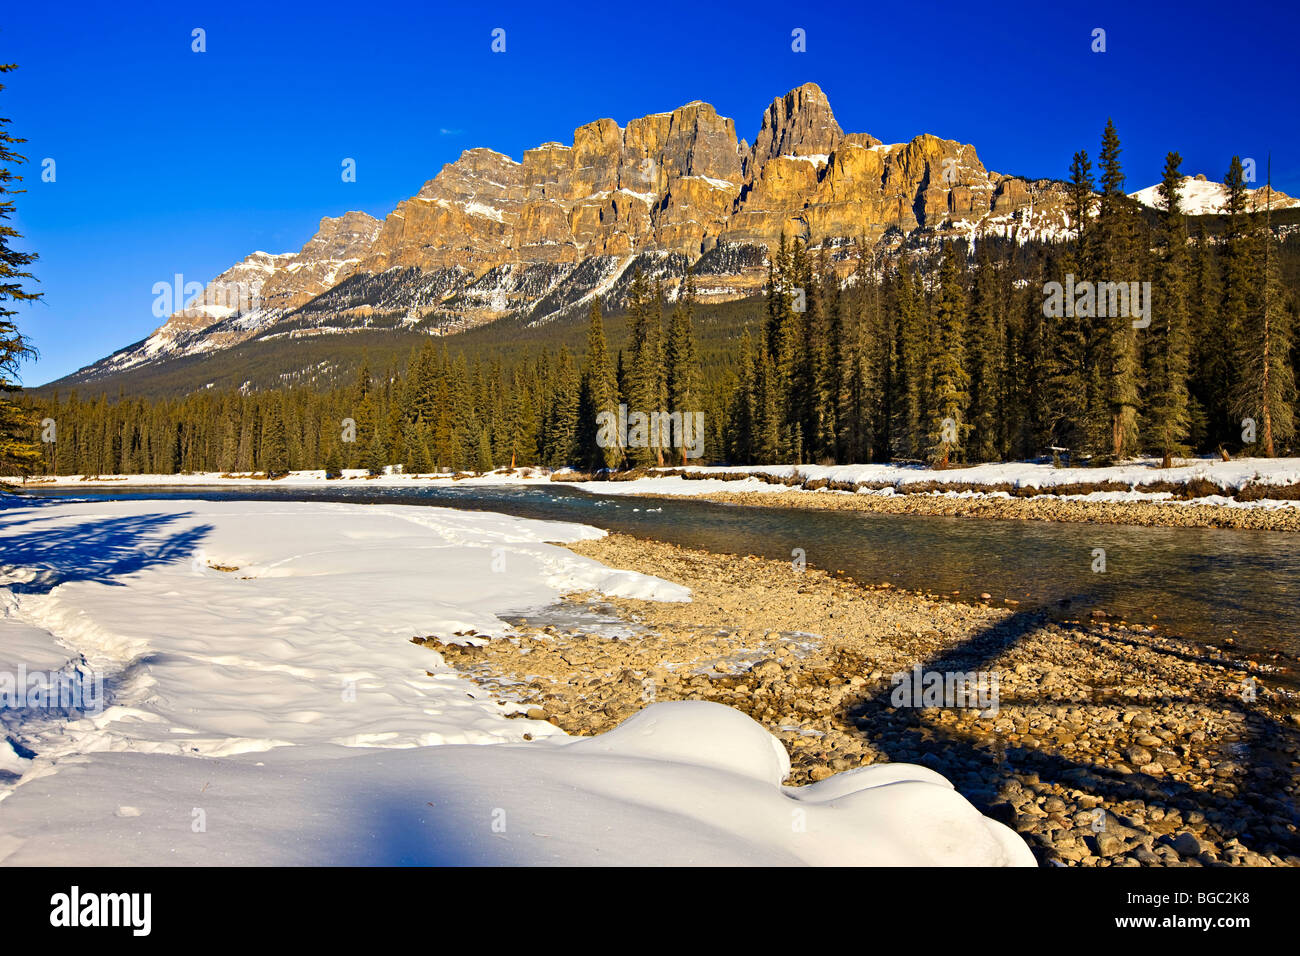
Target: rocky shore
x,y
1169,514
1105,743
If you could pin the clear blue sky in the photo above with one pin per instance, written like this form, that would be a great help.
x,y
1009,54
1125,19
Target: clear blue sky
x,y
173,161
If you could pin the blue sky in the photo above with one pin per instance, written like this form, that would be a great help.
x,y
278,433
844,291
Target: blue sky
x,y
170,161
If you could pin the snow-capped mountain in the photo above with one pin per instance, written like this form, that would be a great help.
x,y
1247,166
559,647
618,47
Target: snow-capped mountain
x,y
491,236
1201,196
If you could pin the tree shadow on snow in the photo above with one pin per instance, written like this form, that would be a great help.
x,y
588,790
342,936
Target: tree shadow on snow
x,y
97,549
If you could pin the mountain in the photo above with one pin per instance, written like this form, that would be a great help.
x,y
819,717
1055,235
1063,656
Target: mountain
x,y
490,237
1204,197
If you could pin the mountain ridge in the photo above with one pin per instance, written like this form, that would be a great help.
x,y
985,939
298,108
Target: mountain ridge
x,y
490,236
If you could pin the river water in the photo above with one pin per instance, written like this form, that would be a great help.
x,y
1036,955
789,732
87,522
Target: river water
x,y
1208,584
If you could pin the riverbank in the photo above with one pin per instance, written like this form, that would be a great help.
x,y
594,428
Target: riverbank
x,y
1044,507
1108,744
238,686
1247,493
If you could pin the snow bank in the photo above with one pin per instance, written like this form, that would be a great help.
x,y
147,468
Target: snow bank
x,y
1020,474
1227,475
264,704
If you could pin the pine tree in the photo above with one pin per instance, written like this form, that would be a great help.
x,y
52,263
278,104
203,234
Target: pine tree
x,y
1266,389
1168,416
682,379
1064,373
483,460
274,454
681,355
332,459
416,460
599,394
741,418
561,438
951,381
985,354
1239,279
376,456
1115,260
820,368
911,370
1210,348
858,361
645,374
1081,200
767,446
18,450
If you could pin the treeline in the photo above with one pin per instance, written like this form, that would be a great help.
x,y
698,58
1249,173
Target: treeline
x,y
436,414
970,361
952,356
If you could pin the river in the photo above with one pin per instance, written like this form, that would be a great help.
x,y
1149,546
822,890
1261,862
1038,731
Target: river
x,y
1208,584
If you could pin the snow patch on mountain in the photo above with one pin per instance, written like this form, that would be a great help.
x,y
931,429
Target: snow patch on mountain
x,y
1204,197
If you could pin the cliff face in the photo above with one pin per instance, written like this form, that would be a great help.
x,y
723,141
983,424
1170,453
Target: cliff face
x,y
682,182
489,236
327,259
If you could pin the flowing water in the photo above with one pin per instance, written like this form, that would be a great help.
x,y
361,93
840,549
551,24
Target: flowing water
x,y
1208,584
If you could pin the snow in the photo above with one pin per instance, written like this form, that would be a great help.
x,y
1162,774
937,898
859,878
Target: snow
x,y
1205,196
279,714
644,197
1228,476
485,211
817,159
715,183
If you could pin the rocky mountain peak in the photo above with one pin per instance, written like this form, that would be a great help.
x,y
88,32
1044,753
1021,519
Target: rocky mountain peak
x,y
798,124
331,255
490,236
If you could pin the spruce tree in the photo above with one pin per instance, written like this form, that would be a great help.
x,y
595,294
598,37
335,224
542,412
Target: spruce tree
x,y
1208,402
911,371
1082,200
1239,281
985,353
1115,261
19,451
562,420
681,354
1168,416
274,454
416,460
740,446
376,456
645,374
682,381
1266,387
483,462
950,393
600,393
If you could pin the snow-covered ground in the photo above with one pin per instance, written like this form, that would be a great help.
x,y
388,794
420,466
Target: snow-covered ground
x,y
1227,475
263,703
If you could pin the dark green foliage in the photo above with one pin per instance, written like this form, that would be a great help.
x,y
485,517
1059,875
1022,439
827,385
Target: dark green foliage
x,y
19,451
